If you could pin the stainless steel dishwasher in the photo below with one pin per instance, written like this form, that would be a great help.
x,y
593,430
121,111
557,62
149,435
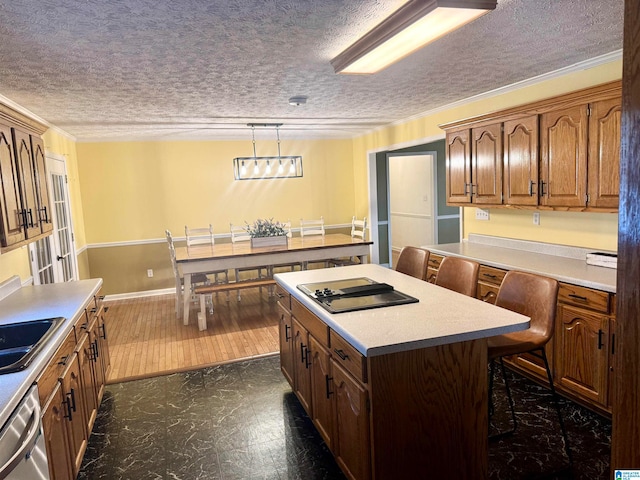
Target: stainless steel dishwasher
x,y
23,454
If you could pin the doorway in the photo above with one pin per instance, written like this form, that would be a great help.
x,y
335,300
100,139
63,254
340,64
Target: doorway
x,y
53,258
411,201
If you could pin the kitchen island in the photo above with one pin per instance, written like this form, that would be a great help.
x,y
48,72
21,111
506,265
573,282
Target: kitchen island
x,y
395,392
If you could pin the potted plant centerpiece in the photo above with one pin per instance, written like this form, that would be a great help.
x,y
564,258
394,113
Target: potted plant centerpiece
x,y
266,233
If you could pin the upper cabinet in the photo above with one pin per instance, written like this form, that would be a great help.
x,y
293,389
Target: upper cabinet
x,y
561,153
25,213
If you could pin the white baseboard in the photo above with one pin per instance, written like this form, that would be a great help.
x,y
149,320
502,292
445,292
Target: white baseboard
x,y
145,293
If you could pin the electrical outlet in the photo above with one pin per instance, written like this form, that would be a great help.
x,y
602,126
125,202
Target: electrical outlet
x,y
482,214
536,218
150,273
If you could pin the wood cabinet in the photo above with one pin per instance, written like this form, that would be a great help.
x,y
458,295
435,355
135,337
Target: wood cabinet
x,y
563,148
458,179
486,164
581,351
24,201
433,266
520,161
560,153
71,388
604,153
365,408
585,343
286,344
54,416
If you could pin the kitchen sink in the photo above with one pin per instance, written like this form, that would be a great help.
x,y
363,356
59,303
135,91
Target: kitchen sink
x,y
20,342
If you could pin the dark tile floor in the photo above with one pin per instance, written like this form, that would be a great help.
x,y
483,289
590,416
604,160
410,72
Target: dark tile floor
x,y
241,421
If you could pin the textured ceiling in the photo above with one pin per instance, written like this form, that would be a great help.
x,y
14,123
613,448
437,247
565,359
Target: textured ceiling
x,y
108,70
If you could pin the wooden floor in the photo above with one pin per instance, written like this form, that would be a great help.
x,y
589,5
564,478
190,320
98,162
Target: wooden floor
x,y
146,338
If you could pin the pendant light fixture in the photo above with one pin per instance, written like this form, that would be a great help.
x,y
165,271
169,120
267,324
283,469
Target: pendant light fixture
x,y
411,27
262,166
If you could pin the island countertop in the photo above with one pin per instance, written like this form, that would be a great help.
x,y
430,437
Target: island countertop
x,y
39,302
440,317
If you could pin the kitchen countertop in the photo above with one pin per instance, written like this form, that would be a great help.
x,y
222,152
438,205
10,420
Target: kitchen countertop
x,y
565,264
33,303
440,317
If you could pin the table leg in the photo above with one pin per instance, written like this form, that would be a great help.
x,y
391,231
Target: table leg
x,y
186,298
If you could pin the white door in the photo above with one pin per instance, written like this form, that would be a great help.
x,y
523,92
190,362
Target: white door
x,y
412,200
53,258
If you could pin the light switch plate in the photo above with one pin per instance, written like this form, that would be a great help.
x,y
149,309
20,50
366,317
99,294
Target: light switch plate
x,y
482,214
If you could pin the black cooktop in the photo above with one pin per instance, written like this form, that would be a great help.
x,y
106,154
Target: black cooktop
x,y
352,294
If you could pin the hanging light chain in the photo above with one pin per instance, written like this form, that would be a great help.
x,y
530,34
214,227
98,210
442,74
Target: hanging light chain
x,y
253,138
278,137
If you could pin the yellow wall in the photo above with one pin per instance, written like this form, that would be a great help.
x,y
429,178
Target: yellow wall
x,y
591,230
135,190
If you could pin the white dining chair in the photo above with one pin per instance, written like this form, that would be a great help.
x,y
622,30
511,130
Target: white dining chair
x,y
204,236
358,231
196,278
311,228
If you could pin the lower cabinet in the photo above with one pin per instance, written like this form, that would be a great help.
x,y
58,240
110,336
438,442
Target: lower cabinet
x,y
56,414
71,389
387,404
582,349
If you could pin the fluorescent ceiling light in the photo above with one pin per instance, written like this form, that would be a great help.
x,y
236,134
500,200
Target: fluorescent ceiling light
x,y
411,27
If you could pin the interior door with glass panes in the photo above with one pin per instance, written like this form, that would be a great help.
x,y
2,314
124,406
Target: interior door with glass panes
x,y
53,257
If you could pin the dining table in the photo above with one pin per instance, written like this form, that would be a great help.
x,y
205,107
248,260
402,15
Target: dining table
x,y
229,256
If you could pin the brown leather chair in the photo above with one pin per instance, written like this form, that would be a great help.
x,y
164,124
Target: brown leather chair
x,y
459,275
534,296
413,261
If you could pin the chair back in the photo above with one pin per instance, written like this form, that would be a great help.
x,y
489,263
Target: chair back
x,y
459,275
172,255
311,227
239,234
534,296
287,228
199,236
359,228
413,261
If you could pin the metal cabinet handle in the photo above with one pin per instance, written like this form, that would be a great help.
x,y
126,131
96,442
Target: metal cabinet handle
x,y
531,182
104,330
341,354
600,333
73,399
578,297
67,403
31,224
287,328
327,381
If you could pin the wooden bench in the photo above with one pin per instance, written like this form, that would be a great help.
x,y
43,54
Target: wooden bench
x,y
204,290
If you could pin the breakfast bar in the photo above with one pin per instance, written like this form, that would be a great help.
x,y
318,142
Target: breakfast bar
x,y
397,391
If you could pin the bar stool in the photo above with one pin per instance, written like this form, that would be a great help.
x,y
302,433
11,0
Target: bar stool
x,y
534,296
458,274
413,261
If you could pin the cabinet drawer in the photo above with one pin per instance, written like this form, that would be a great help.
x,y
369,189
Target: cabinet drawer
x,y
284,298
313,324
487,292
491,275
53,371
435,260
347,356
584,297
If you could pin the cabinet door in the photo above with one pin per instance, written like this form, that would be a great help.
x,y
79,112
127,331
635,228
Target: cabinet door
x,y
103,342
486,164
613,338
28,183
321,391
351,436
43,206
563,139
582,354
85,357
458,167
76,424
12,230
302,362
96,358
286,345
604,153
55,436
520,138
